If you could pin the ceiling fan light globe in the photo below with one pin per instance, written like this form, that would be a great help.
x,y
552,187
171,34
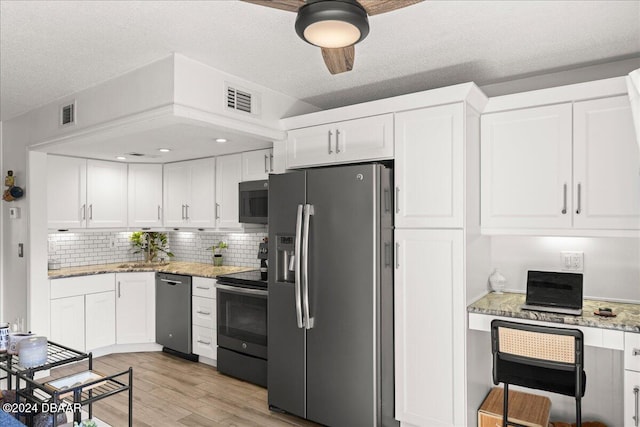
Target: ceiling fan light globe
x,y
332,34
332,24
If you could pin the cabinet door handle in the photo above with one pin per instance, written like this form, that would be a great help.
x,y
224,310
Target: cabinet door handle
x,y
564,199
84,212
91,211
217,210
397,255
266,164
186,211
636,418
337,141
271,162
206,313
579,197
119,294
204,342
397,199
158,212
329,140
182,212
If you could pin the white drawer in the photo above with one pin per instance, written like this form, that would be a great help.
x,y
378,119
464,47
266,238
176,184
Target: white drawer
x,y
204,342
203,312
203,287
631,343
81,285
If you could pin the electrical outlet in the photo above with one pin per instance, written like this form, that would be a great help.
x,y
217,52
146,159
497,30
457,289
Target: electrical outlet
x,y
52,247
572,260
112,242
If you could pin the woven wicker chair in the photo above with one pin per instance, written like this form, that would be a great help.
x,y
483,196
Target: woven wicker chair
x,y
538,357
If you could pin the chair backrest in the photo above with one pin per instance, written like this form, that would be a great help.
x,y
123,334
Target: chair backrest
x,y
541,346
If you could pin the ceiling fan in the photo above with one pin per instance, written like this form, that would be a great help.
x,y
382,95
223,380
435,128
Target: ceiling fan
x,y
335,25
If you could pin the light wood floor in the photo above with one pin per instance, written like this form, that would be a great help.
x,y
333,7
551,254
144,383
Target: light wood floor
x,y
169,391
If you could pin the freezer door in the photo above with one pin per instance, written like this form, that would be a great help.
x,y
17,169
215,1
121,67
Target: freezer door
x,y
342,345
286,341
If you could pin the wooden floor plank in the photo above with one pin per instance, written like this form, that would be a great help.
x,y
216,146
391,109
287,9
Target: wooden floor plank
x,y
169,391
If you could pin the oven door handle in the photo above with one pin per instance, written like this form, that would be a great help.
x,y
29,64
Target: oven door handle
x,y
297,258
240,290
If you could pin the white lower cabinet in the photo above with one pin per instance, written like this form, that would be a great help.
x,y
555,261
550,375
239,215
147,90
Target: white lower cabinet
x,y
135,308
66,327
631,398
100,320
203,315
83,311
429,328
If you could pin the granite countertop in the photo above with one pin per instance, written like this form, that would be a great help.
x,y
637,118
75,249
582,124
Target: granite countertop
x,y
178,267
508,305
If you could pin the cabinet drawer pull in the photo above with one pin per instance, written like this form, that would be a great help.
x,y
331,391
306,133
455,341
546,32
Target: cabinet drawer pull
x,y
206,313
564,199
203,287
204,342
329,140
636,419
579,197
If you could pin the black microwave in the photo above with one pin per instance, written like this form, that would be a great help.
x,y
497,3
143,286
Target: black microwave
x,y
254,202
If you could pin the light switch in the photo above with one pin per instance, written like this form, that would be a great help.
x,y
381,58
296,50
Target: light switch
x,y
14,213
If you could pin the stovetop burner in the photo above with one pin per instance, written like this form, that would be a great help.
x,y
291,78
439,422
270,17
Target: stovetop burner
x,y
252,278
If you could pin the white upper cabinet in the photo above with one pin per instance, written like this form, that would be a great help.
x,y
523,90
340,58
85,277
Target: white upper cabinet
x,y
200,209
526,168
257,165
145,195
566,167
228,176
605,165
429,167
369,138
66,192
189,193
86,193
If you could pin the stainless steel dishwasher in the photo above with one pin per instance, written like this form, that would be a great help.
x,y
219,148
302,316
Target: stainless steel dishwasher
x,y
173,313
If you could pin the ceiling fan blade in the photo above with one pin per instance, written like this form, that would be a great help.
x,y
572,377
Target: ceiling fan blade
x,y
340,59
375,7
288,5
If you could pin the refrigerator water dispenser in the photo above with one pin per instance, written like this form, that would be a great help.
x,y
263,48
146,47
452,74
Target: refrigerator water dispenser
x,y
285,267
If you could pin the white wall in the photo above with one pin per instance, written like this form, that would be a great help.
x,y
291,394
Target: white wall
x,y
611,265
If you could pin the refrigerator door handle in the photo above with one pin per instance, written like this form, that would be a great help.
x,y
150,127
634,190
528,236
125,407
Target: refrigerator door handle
x,y
308,211
296,268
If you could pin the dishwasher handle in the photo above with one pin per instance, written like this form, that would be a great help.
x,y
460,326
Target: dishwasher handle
x,y
171,282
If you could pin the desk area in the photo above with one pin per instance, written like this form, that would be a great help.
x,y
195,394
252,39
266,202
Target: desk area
x,y
617,333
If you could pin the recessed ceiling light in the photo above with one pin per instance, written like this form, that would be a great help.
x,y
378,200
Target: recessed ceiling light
x,y
221,140
164,150
121,158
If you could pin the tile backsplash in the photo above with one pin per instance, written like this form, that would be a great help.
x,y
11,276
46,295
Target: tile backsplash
x,y
89,248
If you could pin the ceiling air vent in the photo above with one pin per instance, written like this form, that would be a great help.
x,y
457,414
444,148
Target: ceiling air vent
x,y
242,100
68,114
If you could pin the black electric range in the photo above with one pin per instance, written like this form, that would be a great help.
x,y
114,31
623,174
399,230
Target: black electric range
x,y
246,279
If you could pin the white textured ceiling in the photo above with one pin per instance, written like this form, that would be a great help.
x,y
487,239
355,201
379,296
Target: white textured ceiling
x,y
50,49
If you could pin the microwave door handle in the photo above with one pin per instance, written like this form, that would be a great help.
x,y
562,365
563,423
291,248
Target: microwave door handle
x,y
296,268
308,211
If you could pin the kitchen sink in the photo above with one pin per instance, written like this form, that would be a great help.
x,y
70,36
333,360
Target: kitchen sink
x,y
142,264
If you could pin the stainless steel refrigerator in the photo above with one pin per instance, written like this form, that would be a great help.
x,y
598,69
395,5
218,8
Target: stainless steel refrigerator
x,y
330,306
